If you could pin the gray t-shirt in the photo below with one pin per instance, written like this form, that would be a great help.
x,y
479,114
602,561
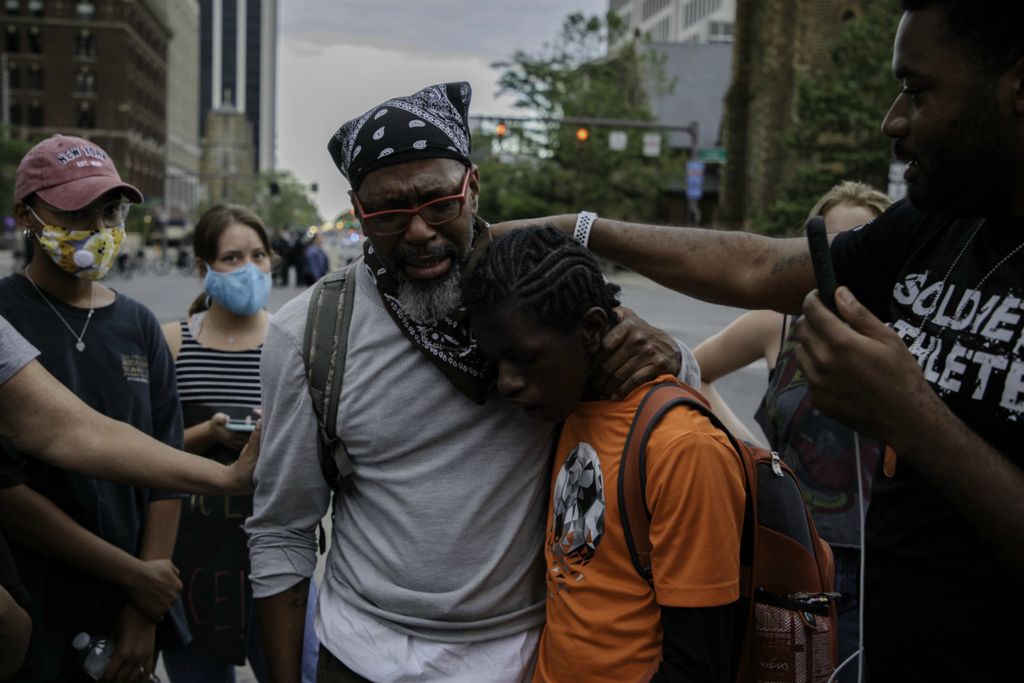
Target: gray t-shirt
x,y
441,535
15,352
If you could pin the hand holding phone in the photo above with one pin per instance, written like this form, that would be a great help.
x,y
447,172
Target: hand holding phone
x,y
821,259
240,425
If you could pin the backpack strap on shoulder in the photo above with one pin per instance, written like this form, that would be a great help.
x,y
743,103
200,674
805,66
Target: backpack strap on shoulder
x,y
325,344
633,510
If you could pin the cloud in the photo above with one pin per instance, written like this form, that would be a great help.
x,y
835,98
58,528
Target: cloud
x,y
467,28
318,92
301,47
338,58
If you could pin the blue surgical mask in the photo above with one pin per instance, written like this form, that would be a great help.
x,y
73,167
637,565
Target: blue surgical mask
x,y
243,291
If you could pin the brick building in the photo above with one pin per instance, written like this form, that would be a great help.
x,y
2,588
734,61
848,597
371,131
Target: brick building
x,y
96,69
774,41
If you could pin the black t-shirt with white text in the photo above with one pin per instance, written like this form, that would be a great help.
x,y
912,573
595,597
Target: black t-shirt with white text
x,y
939,604
126,373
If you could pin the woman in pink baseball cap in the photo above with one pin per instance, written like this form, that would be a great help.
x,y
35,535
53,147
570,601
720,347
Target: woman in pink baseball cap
x,y
93,554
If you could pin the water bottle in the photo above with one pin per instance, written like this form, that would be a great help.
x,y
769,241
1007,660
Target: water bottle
x,y
96,654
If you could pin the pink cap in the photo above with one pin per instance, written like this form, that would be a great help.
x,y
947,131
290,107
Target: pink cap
x,y
69,173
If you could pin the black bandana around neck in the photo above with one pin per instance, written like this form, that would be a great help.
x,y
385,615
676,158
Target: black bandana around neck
x,y
447,343
430,124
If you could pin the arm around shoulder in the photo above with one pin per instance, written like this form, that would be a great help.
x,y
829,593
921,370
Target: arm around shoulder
x,y
727,267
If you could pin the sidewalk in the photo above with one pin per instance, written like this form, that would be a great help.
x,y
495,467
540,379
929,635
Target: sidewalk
x,y
7,262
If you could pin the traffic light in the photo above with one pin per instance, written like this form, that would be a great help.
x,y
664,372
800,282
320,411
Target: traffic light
x,y
582,134
501,130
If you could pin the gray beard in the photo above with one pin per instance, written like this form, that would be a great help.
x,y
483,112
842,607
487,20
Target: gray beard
x,y
429,302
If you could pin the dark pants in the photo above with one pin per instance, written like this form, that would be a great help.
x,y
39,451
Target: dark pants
x,y
848,584
330,670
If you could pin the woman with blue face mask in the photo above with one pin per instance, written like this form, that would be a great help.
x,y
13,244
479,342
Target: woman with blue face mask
x,y
216,350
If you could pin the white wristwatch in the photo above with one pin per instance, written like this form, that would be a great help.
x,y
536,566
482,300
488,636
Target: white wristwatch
x,y
584,222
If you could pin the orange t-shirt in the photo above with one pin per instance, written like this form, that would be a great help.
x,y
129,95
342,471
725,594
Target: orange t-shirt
x,y
603,622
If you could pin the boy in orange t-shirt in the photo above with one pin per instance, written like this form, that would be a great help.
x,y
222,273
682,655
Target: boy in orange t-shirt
x,y
539,304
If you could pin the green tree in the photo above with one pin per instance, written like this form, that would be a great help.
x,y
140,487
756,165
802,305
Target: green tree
x,y
541,168
282,201
839,111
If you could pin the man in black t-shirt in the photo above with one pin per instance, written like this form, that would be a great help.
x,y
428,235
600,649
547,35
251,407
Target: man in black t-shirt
x,y
927,353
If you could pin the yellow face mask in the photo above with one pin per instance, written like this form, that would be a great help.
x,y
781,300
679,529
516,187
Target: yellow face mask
x,y
88,254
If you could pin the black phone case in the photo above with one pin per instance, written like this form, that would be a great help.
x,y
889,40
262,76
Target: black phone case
x,y
821,259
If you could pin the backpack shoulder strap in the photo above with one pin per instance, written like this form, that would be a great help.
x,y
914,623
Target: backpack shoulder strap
x,y
633,509
324,348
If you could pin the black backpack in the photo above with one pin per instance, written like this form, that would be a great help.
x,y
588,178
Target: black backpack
x,y
786,570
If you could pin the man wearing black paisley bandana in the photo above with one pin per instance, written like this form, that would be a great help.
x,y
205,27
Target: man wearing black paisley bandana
x,y
434,570
413,153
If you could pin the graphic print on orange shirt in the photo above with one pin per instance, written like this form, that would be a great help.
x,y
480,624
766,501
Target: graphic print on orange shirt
x,y
577,525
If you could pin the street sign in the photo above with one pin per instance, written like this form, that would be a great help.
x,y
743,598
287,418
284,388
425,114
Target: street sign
x,y
652,144
712,155
897,185
617,140
694,179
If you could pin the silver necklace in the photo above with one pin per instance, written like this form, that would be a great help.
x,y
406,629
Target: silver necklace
x,y
930,313
79,344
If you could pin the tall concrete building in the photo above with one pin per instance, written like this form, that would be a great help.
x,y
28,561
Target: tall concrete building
x,y
93,69
181,185
238,67
677,21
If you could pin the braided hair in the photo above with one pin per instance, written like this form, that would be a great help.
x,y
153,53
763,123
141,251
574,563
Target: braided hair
x,y
542,273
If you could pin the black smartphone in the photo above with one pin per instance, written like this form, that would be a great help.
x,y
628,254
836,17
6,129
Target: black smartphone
x,y
821,258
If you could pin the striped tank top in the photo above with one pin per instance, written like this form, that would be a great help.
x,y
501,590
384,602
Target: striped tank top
x,y
212,377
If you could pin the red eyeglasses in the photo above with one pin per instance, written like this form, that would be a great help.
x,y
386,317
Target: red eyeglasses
x,y
434,212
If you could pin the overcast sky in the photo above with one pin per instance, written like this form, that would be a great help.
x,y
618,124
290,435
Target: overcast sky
x,y
338,58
